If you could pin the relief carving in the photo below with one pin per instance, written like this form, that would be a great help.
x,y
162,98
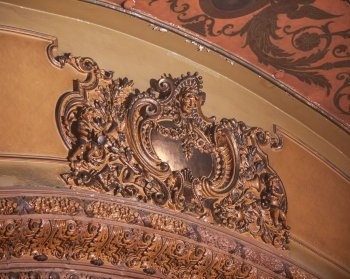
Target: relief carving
x,y
169,224
7,206
23,234
38,274
108,127
112,211
46,205
106,244
69,206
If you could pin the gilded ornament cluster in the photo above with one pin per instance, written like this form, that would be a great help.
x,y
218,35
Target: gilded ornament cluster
x,y
108,126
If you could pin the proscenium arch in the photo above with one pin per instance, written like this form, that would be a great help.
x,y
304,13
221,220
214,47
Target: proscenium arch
x,y
156,74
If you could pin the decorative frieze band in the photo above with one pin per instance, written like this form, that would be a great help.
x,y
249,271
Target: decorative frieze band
x,y
129,237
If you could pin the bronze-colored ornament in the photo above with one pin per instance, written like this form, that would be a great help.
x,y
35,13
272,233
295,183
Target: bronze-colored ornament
x,y
94,235
109,128
7,206
40,274
47,205
113,245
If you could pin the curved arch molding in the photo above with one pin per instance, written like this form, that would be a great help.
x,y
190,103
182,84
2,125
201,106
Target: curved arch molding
x,y
301,46
84,186
56,226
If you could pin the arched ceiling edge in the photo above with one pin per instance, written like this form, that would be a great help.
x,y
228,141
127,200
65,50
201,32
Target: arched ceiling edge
x,y
310,80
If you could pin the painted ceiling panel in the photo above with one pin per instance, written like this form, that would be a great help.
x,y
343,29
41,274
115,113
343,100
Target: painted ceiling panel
x,y
302,45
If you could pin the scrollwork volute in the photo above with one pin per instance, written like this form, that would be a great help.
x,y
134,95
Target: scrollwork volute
x,y
108,126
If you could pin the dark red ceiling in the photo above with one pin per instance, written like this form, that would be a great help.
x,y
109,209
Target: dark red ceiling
x,y
303,45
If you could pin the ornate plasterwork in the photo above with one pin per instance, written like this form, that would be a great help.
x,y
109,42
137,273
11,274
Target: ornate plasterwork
x,y
108,126
44,274
41,228
100,243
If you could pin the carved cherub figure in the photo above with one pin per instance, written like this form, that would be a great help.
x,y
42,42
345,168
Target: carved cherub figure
x,y
276,197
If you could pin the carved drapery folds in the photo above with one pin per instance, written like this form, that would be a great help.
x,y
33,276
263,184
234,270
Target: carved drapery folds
x,y
108,127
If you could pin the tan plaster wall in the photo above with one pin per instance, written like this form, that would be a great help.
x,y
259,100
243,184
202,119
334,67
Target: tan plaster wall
x,y
30,88
318,201
318,196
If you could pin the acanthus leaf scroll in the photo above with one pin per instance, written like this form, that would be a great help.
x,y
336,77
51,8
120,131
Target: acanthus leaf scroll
x,y
107,126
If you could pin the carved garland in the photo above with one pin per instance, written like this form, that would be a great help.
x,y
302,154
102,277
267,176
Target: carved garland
x,y
101,243
95,232
39,274
108,126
